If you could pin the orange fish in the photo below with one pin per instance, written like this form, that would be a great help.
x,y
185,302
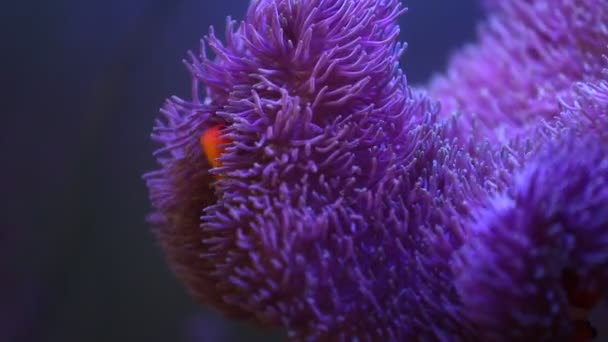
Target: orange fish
x,y
212,144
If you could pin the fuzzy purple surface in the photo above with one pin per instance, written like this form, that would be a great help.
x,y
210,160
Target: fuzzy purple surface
x,y
553,217
344,196
527,57
511,279
335,183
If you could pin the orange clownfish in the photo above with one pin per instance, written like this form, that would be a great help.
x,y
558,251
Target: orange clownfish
x,y
212,144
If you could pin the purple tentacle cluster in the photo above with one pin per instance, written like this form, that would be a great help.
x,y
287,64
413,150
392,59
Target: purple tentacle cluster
x,y
528,55
554,217
344,205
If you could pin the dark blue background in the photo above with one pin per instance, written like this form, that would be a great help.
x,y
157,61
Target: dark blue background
x,y
82,82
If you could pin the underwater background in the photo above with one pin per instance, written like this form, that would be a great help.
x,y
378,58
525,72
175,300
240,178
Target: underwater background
x,y
82,86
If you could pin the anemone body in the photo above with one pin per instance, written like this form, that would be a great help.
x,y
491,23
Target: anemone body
x,y
527,57
552,219
339,199
341,206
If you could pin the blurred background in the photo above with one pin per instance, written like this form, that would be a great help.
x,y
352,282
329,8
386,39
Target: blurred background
x,y
82,82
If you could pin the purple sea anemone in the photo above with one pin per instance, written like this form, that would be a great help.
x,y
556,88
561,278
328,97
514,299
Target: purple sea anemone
x,y
550,223
331,188
528,55
511,279
328,198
